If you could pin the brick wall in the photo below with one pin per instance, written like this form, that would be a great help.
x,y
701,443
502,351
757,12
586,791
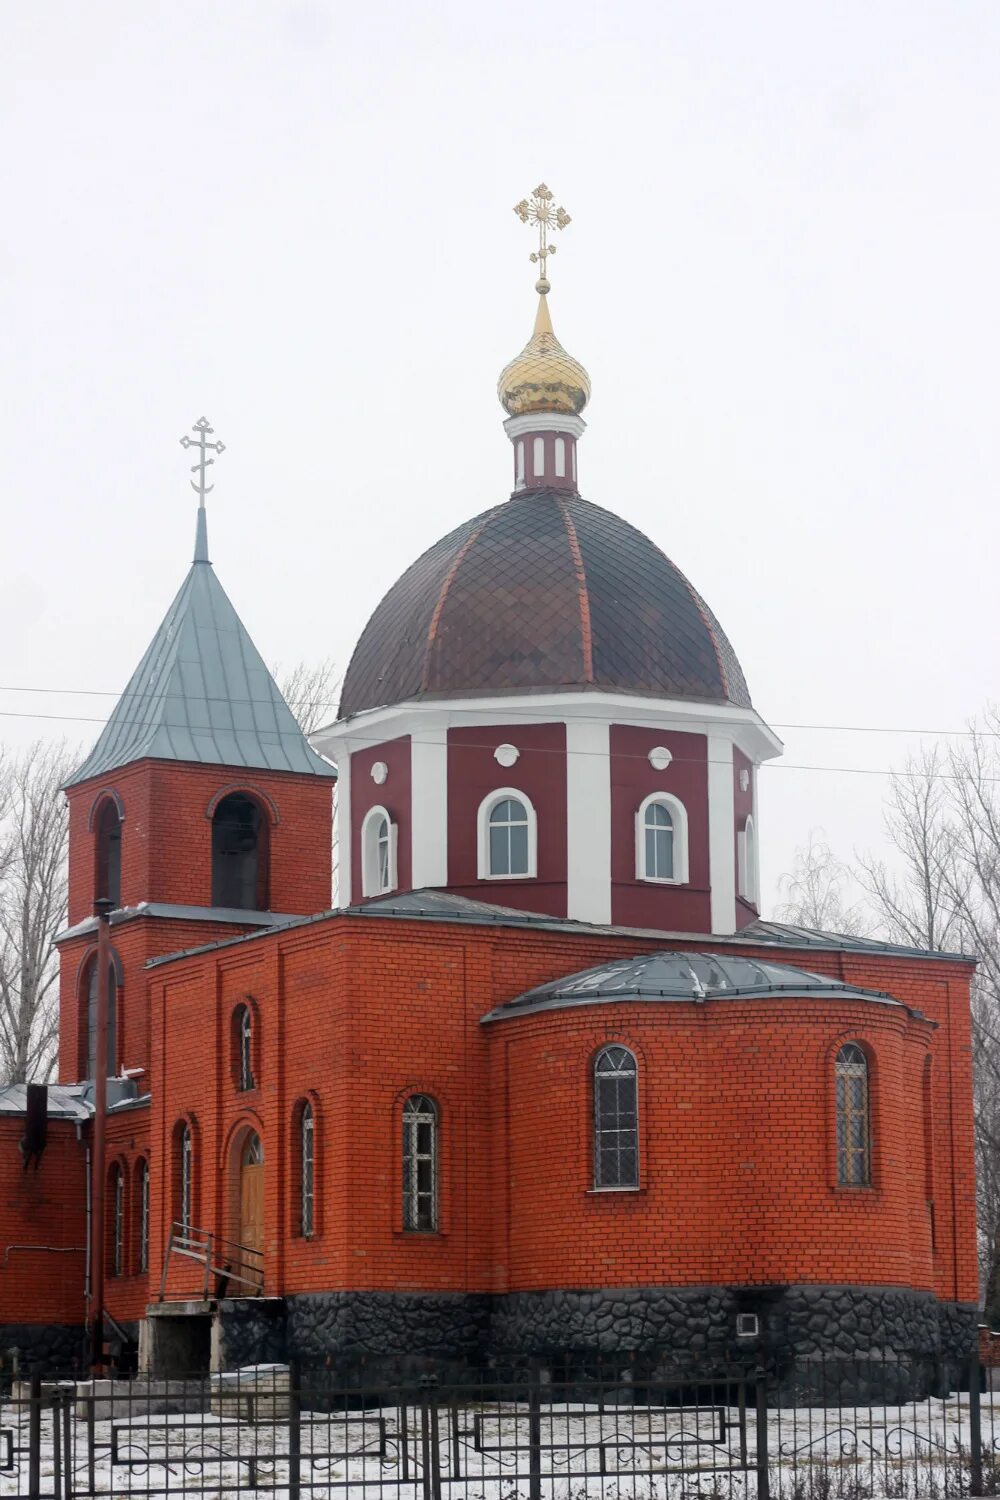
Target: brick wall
x,y
42,1208
738,1131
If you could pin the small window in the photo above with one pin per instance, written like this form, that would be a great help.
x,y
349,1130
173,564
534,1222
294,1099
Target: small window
x,y
747,847
420,1166
142,1257
243,1042
507,837
117,1221
185,1176
538,458
240,854
661,842
108,841
520,464
853,1118
616,1119
307,1170
378,853
560,458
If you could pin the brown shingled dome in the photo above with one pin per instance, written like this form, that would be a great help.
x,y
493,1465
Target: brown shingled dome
x,y
543,593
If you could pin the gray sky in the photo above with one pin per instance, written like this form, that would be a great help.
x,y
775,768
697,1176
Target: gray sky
x,y
295,217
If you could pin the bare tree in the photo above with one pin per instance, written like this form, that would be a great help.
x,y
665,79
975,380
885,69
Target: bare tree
x,y
914,906
33,838
943,822
310,689
815,890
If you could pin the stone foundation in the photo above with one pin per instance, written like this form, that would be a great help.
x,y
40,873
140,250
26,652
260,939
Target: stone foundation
x,y
56,1348
815,1343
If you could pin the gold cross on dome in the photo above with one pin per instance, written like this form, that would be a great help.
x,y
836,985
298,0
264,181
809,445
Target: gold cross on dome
x,y
538,210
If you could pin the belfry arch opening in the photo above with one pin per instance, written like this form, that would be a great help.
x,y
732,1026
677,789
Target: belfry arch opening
x,y
108,852
240,854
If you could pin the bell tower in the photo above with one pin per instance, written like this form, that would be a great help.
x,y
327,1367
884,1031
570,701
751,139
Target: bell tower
x,y
201,811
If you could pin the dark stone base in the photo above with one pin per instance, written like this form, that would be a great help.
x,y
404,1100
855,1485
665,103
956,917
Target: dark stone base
x,y
55,1348
816,1343
253,1331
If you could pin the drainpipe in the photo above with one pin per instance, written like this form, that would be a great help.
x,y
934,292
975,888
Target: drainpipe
x,y
103,908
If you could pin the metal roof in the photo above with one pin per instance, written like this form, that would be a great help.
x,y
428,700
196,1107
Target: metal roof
x,y
202,693
685,977
544,592
65,1101
430,905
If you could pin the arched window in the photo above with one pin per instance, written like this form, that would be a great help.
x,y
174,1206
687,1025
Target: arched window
x,y
307,1170
661,840
108,850
508,836
240,854
420,1164
747,846
854,1167
92,1019
378,853
243,1048
185,1176
616,1119
117,1220
141,1200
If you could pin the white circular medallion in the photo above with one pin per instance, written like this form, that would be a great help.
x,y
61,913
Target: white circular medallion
x,y
380,773
506,755
660,757
744,780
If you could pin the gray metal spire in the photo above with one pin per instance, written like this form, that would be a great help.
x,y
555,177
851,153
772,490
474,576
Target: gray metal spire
x,y
202,692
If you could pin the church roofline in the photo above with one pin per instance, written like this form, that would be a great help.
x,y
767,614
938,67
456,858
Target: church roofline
x,y
442,907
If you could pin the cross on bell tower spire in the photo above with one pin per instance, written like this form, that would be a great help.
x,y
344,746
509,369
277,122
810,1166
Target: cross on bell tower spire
x,y
538,210
199,485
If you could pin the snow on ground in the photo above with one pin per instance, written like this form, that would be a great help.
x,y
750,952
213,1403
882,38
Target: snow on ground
x,y
621,1453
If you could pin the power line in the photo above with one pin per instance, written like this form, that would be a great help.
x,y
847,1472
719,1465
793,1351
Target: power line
x,y
544,714
276,736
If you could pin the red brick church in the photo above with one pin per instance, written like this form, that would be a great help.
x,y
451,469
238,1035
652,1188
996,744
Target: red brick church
x,y
542,1081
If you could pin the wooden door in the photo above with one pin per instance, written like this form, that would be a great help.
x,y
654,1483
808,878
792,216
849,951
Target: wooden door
x,y
252,1195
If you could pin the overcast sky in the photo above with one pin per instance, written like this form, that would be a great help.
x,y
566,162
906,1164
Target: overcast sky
x,y
294,216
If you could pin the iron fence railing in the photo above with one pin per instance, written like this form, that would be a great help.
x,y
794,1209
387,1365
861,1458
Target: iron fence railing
x,y
841,1428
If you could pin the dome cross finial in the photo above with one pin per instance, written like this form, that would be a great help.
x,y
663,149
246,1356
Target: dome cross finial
x,y
538,210
200,485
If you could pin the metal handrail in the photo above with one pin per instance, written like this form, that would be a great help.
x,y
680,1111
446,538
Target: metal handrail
x,y
205,1247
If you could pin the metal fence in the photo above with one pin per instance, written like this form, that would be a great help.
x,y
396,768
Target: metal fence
x,y
838,1431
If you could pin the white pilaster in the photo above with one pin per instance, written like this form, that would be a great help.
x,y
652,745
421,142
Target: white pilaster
x,y
588,821
342,831
429,806
721,833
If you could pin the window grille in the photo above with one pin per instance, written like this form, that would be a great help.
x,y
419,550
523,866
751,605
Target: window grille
x,y
853,1118
144,1217
307,1143
659,838
616,1119
186,1175
508,838
244,1038
118,1239
420,1167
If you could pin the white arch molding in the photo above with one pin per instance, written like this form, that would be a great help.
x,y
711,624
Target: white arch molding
x,y
747,851
679,821
489,802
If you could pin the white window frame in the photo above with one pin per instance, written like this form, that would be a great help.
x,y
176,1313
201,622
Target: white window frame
x,y
369,853
678,814
746,849
483,822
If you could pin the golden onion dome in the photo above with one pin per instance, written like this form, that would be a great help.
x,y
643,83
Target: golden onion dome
x,y
543,377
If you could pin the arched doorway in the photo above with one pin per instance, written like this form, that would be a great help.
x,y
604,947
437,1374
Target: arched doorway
x,y
251,1231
